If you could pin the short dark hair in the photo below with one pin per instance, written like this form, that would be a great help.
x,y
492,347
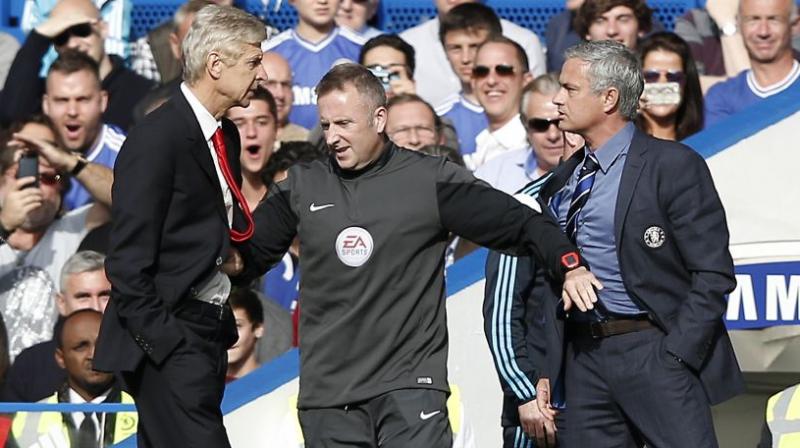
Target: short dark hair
x,y
358,76
405,98
470,17
689,117
393,41
591,10
247,300
59,336
262,94
289,154
73,61
522,57
443,151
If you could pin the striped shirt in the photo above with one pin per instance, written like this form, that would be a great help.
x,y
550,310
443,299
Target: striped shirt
x,y
103,152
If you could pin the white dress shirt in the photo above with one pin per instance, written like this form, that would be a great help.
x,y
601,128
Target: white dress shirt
x,y
78,417
490,144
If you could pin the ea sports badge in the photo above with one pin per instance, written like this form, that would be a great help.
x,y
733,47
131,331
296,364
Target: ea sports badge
x,y
354,246
654,237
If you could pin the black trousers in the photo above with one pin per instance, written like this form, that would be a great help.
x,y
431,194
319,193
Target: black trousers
x,y
179,401
399,419
627,391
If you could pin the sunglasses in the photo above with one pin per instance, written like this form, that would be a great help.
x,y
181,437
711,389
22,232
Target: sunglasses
x,y
542,124
482,71
652,76
79,30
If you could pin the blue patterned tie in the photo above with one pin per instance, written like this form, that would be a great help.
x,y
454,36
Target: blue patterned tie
x,y
581,194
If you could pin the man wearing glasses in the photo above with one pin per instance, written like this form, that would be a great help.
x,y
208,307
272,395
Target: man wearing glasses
x,y
500,73
73,24
511,171
412,123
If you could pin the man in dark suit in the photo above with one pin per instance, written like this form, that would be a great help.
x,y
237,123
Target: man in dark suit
x,y
177,209
646,362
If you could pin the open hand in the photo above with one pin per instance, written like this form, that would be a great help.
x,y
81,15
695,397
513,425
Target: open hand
x,y
579,289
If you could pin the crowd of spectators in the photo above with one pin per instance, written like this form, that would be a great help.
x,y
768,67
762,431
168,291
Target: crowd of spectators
x,y
465,84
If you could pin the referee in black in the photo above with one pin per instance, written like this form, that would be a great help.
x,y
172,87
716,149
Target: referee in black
x,y
373,222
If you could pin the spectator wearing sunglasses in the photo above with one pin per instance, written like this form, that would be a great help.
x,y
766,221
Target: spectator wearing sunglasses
x,y
671,107
513,170
72,25
462,30
766,27
37,235
499,75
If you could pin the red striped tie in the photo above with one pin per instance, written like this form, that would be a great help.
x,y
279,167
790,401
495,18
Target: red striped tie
x,y
222,156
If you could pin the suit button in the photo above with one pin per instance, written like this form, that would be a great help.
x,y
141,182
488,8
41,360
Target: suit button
x,y
219,261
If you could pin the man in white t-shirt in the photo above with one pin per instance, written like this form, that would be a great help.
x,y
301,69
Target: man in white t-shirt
x,y
436,80
37,238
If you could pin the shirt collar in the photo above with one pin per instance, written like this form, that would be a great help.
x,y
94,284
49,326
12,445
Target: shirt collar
x,y
208,124
75,397
617,145
509,135
528,163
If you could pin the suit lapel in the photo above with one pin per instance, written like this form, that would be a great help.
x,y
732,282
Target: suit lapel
x,y
560,176
631,172
198,148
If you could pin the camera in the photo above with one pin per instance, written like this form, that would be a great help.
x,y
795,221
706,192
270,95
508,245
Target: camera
x,y
384,75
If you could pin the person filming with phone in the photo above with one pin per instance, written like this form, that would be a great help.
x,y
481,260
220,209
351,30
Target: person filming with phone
x,y
391,60
671,107
36,235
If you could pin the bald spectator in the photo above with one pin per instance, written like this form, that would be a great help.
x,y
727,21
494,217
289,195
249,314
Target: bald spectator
x,y
766,27
83,285
36,235
412,123
624,21
355,15
73,24
437,80
74,102
513,170
279,84
500,73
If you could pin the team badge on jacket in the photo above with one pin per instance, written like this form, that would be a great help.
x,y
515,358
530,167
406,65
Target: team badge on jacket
x,y
654,237
354,246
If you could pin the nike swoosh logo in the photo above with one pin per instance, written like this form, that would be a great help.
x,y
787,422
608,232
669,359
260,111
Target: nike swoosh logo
x,y
424,416
315,208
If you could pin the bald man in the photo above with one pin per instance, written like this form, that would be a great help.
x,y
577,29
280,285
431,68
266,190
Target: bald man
x,y
280,86
73,24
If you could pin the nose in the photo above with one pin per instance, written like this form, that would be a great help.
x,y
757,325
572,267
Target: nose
x,y
554,134
763,28
331,136
250,129
611,28
95,304
261,74
346,5
72,108
558,100
413,137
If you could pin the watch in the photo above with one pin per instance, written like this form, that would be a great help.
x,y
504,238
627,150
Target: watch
x,y
82,162
729,29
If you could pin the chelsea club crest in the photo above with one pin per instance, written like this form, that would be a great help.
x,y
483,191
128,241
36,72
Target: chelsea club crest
x,y
654,237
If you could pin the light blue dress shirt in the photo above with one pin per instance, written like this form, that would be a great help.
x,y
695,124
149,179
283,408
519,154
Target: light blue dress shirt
x,y
595,235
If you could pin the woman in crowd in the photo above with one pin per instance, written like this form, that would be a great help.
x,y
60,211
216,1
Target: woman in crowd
x,y
672,103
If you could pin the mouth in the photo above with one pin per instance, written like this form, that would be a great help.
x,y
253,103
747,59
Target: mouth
x,y
252,149
73,130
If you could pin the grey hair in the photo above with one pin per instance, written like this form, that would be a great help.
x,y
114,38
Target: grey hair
x,y
187,9
80,262
611,64
223,29
546,84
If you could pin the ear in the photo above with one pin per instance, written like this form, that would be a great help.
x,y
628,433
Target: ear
x,y
214,65
526,78
102,27
60,358
45,105
103,100
175,46
258,331
610,100
379,119
61,304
